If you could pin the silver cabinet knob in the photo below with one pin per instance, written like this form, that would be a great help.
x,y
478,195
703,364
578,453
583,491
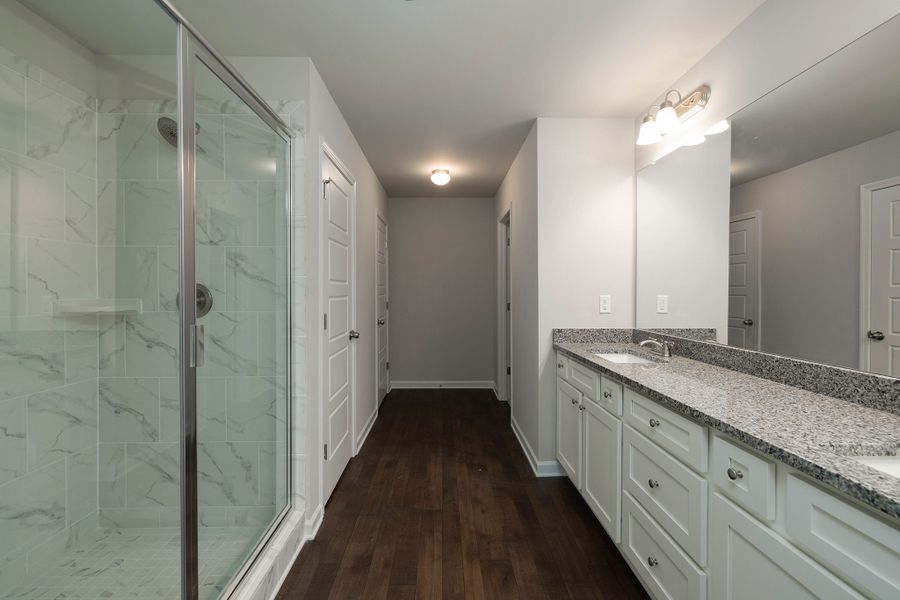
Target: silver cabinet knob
x,y
652,561
734,474
354,335
560,365
607,394
582,407
574,401
654,423
875,335
653,483
380,322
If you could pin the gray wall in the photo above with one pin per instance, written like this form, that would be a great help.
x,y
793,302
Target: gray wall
x,y
810,249
442,278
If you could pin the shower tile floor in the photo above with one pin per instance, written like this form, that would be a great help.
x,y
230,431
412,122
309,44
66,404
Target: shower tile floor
x,y
139,563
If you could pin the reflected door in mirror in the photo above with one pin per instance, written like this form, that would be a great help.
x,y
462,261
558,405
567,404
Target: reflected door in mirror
x,y
743,282
883,333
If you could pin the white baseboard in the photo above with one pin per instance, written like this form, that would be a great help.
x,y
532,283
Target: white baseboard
x,y
365,432
313,522
546,468
450,385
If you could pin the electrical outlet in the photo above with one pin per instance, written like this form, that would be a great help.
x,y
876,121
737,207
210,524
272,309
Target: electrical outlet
x,y
605,304
662,304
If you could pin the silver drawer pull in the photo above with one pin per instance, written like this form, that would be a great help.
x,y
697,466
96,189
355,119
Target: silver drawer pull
x,y
653,483
652,561
574,401
607,394
560,365
734,474
654,423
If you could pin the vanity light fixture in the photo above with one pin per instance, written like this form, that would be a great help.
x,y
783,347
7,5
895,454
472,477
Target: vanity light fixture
x,y
649,132
694,138
719,127
670,115
440,176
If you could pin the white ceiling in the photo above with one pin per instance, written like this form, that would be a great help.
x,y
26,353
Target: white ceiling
x,y
452,83
848,98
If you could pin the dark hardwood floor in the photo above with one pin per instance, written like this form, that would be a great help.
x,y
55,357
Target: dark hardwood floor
x,y
441,503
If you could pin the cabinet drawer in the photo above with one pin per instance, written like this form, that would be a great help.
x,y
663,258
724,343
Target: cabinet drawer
x,y
854,544
585,380
749,561
673,494
682,438
744,477
660,562
562,366
610,396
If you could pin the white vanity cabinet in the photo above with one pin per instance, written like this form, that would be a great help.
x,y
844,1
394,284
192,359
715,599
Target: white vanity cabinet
x,y
568,430
602,467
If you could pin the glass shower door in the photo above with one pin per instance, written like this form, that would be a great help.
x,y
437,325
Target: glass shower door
x,y
241,255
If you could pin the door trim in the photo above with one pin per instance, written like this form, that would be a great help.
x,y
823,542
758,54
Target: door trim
x,y
866,192
387,295
504,333
326,153
757,317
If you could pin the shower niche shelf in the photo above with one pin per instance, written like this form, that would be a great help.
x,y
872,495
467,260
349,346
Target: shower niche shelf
x,y
96,306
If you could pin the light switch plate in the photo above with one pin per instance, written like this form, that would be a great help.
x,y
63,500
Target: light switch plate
x,y
605,304
662,304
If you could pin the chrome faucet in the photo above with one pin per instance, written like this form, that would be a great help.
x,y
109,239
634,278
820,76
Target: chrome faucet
x,y
661,348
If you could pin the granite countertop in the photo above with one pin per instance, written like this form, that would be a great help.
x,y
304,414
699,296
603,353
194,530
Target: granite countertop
x,y
815,434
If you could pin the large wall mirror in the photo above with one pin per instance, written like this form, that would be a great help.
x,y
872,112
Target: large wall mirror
x,y
783,232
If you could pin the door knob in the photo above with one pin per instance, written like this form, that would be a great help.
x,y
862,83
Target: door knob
x,y
875,335
354,335
748,322
380,322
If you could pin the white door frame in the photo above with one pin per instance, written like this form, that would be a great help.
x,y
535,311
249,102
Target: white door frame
x,y
327,154
387,299
504,345
757,318
866,191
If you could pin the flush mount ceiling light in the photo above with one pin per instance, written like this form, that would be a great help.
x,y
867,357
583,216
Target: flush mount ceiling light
x,y
649,132
719,127
440,176
670,115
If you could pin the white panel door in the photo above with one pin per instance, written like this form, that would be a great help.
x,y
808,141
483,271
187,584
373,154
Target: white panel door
x,y
568,430
381,307
884,294
743,283
338,379
602,489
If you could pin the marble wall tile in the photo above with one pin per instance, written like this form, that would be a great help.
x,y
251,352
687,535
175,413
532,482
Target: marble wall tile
x,y
81,209
251,278
137,105
12,115
126,146
252,150
32,508
66,89
129,410
211,406
250,516
111,473
111,341
151,344
210,151
13,275
111,213
231,342
73,536
61,422
13,449
81,347
32,197
60,131
272,343
81,484
228,473
151,213
129,272
210,271
59,270
273,219
226,213
126,518
32,356
154,473
255,410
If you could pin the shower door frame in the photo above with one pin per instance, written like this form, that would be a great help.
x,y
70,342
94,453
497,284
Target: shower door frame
x,y
193,50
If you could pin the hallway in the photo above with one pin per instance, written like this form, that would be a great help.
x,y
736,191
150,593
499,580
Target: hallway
x,y
441,503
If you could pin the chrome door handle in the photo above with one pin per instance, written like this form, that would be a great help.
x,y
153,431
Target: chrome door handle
x,y
380,322
875,335
734,474
748,322
354,335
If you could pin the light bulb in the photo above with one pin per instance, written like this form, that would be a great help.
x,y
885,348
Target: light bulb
x,y
666,118
440,177
693,139
719,127
648,133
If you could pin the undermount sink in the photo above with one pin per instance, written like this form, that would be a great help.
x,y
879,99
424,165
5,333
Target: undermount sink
x,y
623,357
885,464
